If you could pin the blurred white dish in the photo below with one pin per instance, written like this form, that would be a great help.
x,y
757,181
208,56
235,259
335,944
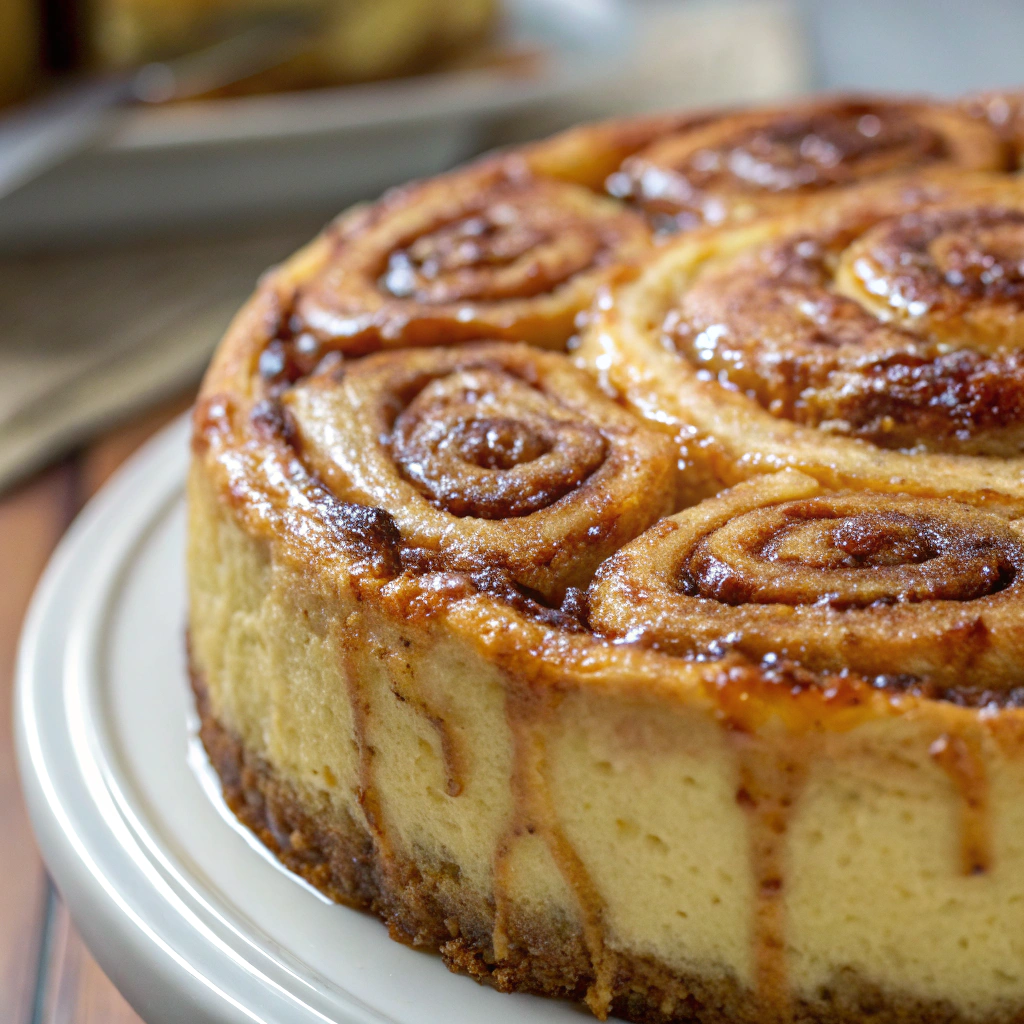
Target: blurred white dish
x,y
228,158
189,917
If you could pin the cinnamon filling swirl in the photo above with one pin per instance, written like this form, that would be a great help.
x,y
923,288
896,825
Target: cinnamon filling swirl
x,y
737,164
905,332
491,252
487,457
878,585
454,444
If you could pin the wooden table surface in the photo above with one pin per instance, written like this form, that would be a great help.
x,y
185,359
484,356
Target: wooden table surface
x,y
46,974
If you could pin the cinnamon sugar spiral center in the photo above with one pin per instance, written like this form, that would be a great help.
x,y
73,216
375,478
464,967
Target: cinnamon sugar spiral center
x,y
482,443
849,551
507,249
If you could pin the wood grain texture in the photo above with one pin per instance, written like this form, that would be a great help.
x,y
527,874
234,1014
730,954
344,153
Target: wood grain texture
x,y
31,522
74,989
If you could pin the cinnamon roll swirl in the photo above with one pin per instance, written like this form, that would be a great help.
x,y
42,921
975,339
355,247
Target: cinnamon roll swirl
x,y
681,677
486,457
873,342
491,252
903,591
763,161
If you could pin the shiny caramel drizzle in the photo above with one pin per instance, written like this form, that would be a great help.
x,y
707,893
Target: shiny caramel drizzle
x,y
533,813
367,792
770,781
906,331
740,162
453,754
488,252
959,756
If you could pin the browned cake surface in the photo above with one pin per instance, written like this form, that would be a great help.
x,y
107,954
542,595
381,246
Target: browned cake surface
x,y
606,565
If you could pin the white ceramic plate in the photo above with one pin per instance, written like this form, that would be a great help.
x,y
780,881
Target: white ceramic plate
x,y
189,916
261,155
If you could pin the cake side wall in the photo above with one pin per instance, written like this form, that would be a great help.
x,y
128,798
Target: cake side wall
x,y
410,732
907,875
634,838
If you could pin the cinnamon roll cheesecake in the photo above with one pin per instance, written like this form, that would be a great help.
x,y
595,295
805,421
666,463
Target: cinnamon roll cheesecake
x,y
606,565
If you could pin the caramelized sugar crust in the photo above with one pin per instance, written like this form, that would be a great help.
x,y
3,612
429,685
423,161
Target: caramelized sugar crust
x,y
493,251
762,529
873,340
746,162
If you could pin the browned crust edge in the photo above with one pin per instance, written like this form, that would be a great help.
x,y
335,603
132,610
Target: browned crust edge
x,y
425,908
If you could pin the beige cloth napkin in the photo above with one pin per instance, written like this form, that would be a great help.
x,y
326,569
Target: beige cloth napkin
x,y
89,337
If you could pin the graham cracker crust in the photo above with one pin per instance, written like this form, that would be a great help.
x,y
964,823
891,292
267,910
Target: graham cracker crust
x,y
425,907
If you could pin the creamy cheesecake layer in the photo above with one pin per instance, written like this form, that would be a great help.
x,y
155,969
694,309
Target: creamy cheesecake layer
x,y
873,861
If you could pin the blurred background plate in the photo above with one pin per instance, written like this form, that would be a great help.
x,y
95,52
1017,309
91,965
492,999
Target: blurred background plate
x,y
227,158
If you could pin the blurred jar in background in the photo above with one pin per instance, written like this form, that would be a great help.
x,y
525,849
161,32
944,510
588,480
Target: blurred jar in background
x,y
357,41
20,48
352,40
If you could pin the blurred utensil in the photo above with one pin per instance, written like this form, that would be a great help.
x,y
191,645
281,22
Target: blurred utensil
x,y
36,136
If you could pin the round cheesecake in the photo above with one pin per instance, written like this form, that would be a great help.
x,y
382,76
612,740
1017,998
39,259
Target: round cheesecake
x,y
605,565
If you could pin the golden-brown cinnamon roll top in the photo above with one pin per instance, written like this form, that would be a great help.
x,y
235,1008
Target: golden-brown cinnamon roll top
x,y
747,162
490,252
389,406
906,592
